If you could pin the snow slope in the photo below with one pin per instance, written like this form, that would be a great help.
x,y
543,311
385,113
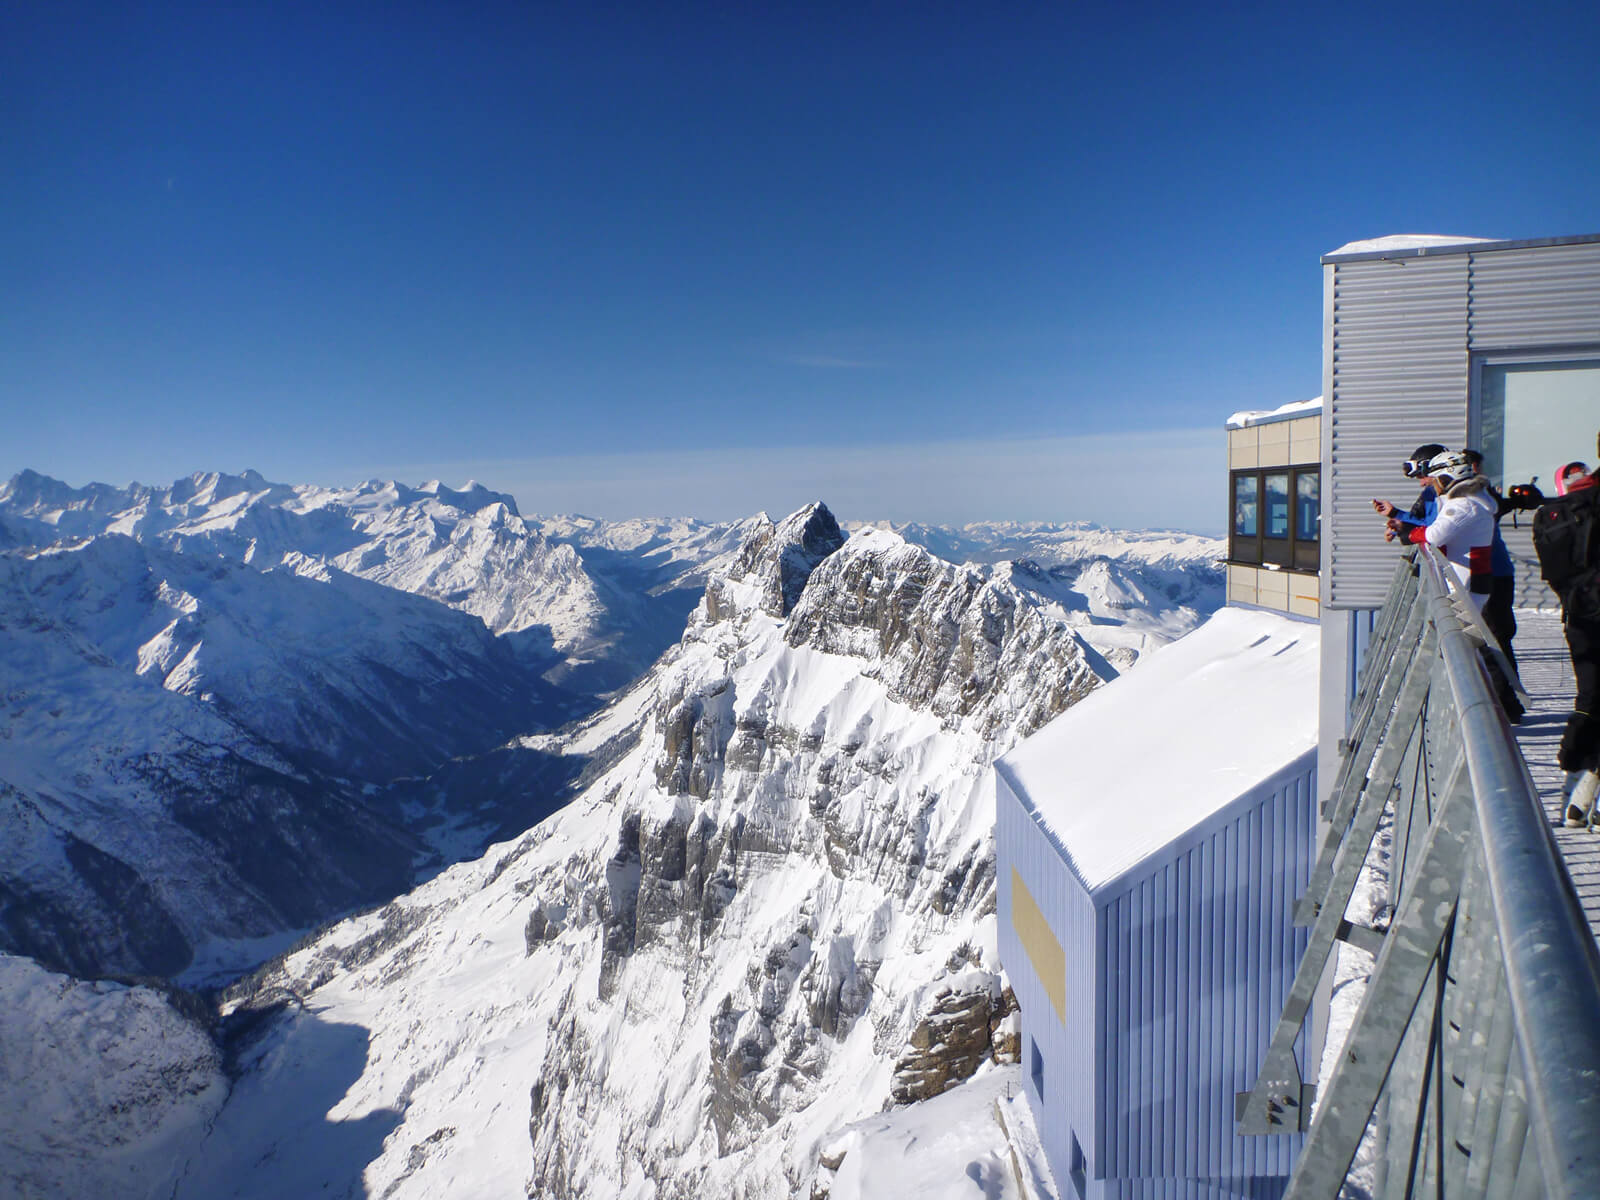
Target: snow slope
x,y
768,915
188,745
112,1101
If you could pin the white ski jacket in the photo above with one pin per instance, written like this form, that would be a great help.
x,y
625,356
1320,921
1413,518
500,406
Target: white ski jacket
x,y
1463,531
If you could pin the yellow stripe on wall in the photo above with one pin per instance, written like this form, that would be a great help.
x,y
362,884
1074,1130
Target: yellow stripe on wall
x,y
1044,952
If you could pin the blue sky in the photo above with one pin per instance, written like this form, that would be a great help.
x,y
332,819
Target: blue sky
x,y
925,262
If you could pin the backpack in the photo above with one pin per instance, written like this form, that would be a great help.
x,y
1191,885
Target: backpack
x,y
1566,535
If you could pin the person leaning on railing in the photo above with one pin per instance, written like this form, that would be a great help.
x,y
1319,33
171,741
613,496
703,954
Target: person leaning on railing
x,y
1426,504
1463,522
1463,528
1566,536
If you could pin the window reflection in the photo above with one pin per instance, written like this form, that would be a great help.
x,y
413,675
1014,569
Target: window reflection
x,y
1245,496
1307,505
1277,505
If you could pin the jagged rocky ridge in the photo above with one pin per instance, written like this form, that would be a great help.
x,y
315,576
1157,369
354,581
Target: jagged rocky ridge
x,y
592,602
768,914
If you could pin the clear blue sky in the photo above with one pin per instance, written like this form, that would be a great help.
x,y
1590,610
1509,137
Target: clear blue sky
x,y
707,259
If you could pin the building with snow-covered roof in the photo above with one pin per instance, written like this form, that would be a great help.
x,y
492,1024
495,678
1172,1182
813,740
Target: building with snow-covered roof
x,y
1275,508
1489,344
1151,843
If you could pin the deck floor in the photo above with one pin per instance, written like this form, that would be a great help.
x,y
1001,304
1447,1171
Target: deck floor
x,y
1546,672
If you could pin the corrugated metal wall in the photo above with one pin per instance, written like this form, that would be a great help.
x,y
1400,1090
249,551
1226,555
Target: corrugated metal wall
x,y
1542,296
1175,976
1200,953
1399,351
1068,1046
1400,334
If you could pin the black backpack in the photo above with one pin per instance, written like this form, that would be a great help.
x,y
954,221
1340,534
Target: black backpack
x,y
1566,535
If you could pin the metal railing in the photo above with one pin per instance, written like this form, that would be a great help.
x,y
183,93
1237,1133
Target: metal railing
x,y
1475,1053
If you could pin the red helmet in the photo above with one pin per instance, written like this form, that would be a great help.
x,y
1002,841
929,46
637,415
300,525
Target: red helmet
x,y
1576,470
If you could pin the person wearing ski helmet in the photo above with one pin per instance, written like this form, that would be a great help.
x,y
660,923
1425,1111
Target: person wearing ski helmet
x,y
1426,505
1568,474
1463,527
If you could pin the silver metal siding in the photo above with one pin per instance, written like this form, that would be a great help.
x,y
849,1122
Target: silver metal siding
x,y
1201,952
1398,367
1545,296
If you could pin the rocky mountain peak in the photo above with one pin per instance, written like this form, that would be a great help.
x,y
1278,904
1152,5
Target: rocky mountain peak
x,y
778,559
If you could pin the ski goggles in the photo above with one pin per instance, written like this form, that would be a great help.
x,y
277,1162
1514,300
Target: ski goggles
x,y
1415,467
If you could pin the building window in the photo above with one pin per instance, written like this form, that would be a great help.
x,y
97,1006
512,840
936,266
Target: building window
x,y
1036,1069
1534,416
1277,518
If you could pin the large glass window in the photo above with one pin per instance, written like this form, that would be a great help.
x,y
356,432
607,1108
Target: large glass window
x,y
1277,517
1307,506
1535,416
1246,502
1307,520
1278,505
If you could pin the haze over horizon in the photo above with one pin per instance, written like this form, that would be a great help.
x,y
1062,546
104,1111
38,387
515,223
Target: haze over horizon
x,y
1011,265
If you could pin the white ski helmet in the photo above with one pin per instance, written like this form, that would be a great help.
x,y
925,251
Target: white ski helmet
x,y
1450,466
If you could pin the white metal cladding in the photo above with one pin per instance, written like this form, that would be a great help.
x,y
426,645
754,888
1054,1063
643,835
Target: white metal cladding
x,y
1200,953
1535,297
1175,975
1399,376
1068,1048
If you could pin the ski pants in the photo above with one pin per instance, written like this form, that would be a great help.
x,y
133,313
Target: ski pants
x,y
1498,614
1580,743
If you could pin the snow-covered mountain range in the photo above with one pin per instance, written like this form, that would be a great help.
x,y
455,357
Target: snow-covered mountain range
x,y
766,915
596,599
191,749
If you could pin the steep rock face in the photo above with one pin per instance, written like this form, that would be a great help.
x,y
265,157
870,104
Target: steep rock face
x,y
944,639
720,951
952,1038
776,560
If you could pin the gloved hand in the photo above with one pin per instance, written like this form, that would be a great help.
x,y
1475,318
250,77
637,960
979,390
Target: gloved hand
x,y
1525,496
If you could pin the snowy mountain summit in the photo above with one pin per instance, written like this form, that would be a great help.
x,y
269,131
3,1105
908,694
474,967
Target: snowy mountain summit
x,y
767,916
468,548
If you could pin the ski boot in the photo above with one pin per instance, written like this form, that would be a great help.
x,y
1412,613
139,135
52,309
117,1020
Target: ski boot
x,y
1578,797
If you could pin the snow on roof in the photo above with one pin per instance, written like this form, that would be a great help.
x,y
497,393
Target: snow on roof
x,y
1405,241
1169,744
1260,416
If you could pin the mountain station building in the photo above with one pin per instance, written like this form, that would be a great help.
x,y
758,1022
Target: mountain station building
x,y
1153,840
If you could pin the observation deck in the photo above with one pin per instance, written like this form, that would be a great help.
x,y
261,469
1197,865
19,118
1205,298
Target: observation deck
x,y
1546,670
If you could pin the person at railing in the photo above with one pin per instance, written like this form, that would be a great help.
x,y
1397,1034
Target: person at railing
x,y
1457,490
1566,536
1463,527
1426,505
1498,611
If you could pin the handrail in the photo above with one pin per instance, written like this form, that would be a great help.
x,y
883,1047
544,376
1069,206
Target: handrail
x,y
1551,961
1477,1043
